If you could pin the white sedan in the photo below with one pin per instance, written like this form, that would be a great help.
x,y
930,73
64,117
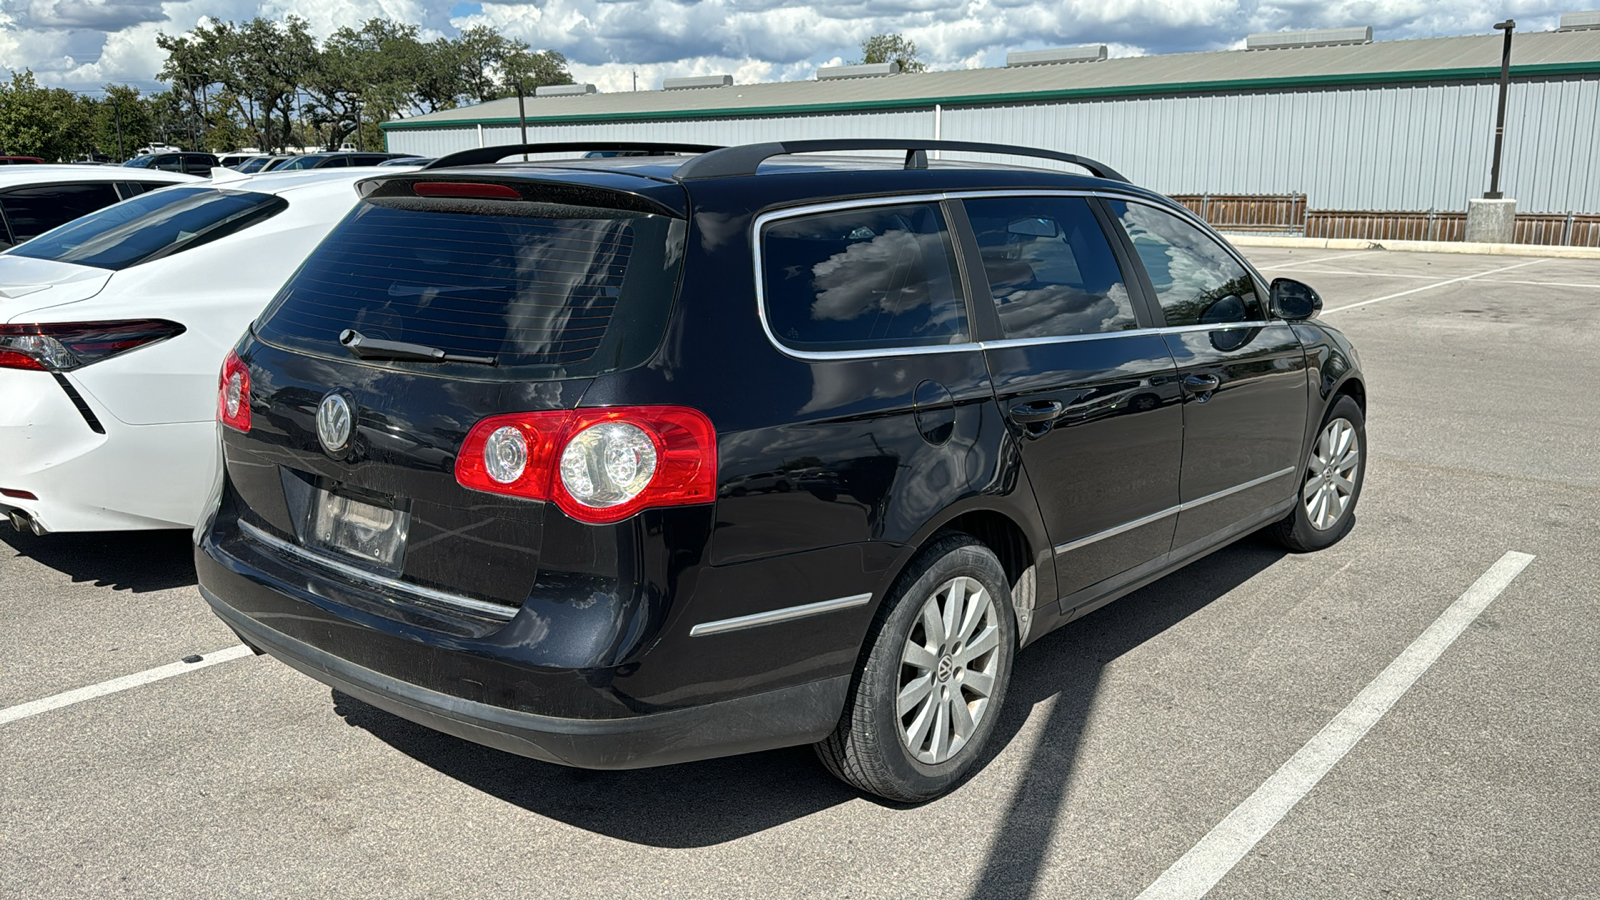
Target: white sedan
x,y
113,329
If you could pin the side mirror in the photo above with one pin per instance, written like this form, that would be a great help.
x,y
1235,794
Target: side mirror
x,y
1294,300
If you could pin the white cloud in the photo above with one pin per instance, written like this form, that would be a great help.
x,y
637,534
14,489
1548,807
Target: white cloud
x,y
84,43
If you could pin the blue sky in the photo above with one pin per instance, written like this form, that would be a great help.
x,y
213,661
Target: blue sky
x,y
82,44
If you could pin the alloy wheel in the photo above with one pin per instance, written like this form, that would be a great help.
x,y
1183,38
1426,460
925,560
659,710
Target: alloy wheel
x,y
948,670
1331,474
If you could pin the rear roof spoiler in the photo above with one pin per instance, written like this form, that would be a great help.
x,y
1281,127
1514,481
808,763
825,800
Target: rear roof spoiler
x,y
744,160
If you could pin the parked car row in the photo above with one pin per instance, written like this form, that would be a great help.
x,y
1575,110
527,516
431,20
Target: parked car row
x,y
639,459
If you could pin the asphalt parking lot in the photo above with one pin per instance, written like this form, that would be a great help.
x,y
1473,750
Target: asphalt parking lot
x,y
1129,736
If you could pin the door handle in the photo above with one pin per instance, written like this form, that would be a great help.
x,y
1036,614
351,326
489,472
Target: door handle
x,y
1037,411
1201,384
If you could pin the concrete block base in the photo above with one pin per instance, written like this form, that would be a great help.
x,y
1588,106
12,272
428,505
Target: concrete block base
x,y
1491,221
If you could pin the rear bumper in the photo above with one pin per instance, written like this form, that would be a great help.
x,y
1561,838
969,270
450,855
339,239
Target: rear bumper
x,y
801,714
128,477
486,683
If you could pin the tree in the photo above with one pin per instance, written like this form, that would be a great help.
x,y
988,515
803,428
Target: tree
x,y
50,123
882,48
121,122
494,65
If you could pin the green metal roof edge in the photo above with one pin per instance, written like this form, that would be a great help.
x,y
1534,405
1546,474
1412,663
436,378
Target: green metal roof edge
x,y
1090,93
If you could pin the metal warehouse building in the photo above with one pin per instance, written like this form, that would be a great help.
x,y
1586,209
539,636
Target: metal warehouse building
x,y
1357,125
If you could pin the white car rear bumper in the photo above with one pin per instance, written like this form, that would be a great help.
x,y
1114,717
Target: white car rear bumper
x,y
130,477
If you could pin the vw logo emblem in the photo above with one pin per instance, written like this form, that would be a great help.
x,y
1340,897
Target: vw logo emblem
x,y
333,423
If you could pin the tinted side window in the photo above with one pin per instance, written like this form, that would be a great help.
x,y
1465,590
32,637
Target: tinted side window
x,y
332,162
35,210
197,165
871,278
169,163
1050,268
1197,282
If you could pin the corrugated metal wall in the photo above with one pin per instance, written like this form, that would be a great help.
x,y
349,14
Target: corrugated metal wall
x,y
1410,147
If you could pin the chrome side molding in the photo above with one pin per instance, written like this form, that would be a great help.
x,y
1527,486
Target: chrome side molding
x,y
1171,511
773,617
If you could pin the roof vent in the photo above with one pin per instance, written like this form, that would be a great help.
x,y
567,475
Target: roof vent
x,y
864,70
562,90
1579,21
1086,53
1319,37
696,81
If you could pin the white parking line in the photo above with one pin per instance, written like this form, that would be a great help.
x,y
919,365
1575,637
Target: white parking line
x,y
1199,870
1429,287
1307,262
67,698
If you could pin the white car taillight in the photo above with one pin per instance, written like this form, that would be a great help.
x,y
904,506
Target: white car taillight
x,y
64,346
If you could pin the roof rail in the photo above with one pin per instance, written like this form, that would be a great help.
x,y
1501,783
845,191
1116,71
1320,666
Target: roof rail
x,y
481,155
744,160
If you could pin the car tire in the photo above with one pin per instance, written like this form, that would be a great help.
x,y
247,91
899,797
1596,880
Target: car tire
x,y
1336,466
916,678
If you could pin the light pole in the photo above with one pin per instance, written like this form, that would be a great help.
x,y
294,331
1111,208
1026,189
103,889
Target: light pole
x,y
1508,26
522,112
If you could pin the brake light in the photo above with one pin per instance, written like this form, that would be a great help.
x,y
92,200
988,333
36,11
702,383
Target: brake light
x,y
595,465
64,346
233,394
471,189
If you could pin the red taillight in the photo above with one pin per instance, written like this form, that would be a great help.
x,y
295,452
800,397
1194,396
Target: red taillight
x,y
233,394
596,465
470,189
64,346
16,359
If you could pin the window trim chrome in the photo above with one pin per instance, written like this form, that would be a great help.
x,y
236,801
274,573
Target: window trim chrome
x,y
775,616
1171,511
766,218
356,573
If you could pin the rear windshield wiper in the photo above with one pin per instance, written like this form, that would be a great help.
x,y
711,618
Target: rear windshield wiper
x,y
371,348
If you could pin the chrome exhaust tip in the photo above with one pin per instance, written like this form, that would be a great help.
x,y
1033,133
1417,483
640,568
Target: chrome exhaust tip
x,y
19,520
37,528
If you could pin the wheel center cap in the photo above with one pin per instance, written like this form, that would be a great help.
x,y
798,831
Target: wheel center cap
x,y
946,668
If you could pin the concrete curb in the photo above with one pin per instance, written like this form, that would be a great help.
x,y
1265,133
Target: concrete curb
x,y
1300,243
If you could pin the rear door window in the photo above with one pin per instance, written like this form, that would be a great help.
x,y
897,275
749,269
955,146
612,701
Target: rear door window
x,y
879,277
32,211
570,290
153,225
1050,268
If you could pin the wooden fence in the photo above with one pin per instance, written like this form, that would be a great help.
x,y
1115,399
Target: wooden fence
x,y
1288,214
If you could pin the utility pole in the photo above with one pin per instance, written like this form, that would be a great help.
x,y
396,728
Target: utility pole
x,y
636,81
1508,26
116,112
357,105
522,111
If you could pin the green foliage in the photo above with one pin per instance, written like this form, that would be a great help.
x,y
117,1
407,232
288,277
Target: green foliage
x,y
882,48
268,85
50,123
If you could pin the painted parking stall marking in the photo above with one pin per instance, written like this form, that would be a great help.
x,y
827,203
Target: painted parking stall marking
x,y
160,673
1207,862
1429,287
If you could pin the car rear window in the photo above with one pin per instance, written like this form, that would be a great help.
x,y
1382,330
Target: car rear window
x,y
151,226
572,290
880,277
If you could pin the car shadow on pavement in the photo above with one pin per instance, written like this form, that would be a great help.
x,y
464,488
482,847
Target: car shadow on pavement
x,y
136,561
706,803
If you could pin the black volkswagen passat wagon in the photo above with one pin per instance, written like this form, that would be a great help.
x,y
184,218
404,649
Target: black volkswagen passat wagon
x,y
626,461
